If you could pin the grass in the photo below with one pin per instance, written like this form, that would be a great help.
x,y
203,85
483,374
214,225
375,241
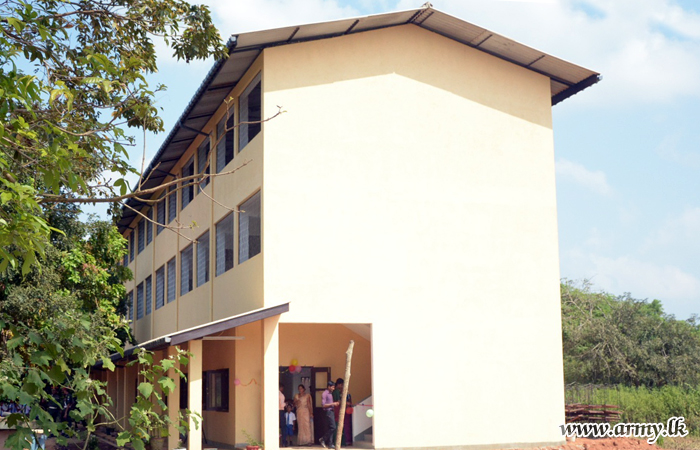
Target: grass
x,y
643,405
686,443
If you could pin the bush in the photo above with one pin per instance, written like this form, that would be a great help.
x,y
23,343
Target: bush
x,y
642,404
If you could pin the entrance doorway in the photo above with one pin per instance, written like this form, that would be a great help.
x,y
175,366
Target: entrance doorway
x,y
315,380
291,381
321,350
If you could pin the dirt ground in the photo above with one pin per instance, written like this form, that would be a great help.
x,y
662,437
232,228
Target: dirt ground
x,y
605,444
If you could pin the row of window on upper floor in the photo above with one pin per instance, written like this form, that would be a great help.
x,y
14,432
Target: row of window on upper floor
x,y
249,245
249,126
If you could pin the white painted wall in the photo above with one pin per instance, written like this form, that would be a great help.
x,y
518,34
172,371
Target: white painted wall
x,y
410,185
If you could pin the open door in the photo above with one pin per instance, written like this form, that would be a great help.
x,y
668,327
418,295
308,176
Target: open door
x,y
320,376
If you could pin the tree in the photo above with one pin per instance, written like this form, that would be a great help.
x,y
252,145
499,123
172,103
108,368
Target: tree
x,y
72,80
72,84
58,321
611,340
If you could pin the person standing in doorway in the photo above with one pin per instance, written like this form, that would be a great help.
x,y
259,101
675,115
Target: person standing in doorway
x,y
305,412
328,409
282,403
288,430
337,396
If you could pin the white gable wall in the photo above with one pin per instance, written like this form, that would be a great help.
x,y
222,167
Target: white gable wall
x,y
411,185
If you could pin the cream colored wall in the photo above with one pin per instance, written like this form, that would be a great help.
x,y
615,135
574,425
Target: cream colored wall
x,y
220,426
411,185
271,380
194,393
234,292
249,369
165,317
324,345
239,289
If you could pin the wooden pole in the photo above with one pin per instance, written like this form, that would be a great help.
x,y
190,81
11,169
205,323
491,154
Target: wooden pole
x,y
344,396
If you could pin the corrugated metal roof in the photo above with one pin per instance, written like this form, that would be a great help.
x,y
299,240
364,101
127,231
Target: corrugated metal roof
x,y
200,331
567,79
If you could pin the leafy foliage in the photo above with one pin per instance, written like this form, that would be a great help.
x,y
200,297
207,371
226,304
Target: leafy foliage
x,y
647,405
148,416
58,321
72,82
72,78
611,340
64,317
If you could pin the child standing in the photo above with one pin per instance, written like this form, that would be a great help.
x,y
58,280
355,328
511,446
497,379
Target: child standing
x,y
288,429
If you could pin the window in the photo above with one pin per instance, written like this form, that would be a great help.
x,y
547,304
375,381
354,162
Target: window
x,y
186,270
249,228
139,301
171,280
224,146
142,232
131,246
203,259
224,245
184,388
216,390
160,213
126,255
160,287
149,227
187,193
202,162
172,203
149,294
249,108
130,305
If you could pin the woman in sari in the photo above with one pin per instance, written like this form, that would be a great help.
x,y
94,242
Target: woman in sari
x,y
347,423
305,412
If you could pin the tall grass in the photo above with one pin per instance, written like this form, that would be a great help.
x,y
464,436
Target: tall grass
x,y
643,404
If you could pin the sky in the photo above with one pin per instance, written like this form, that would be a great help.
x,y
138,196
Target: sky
x,y
627,150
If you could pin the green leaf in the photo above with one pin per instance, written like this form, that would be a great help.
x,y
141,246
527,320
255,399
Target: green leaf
x,y
41,358
29,259
54,95
107,362
167,385
16,23
56,374
146,389
123,438
138,444
15,342
167,364
35,338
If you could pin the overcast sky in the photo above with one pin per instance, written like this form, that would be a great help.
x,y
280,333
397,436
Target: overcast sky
x,y
627,149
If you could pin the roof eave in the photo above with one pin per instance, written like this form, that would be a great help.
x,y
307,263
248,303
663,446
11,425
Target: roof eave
x,y
455,29
575,89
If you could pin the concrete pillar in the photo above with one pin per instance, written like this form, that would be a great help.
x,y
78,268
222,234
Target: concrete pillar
x,y
194,392
270,392
174,403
